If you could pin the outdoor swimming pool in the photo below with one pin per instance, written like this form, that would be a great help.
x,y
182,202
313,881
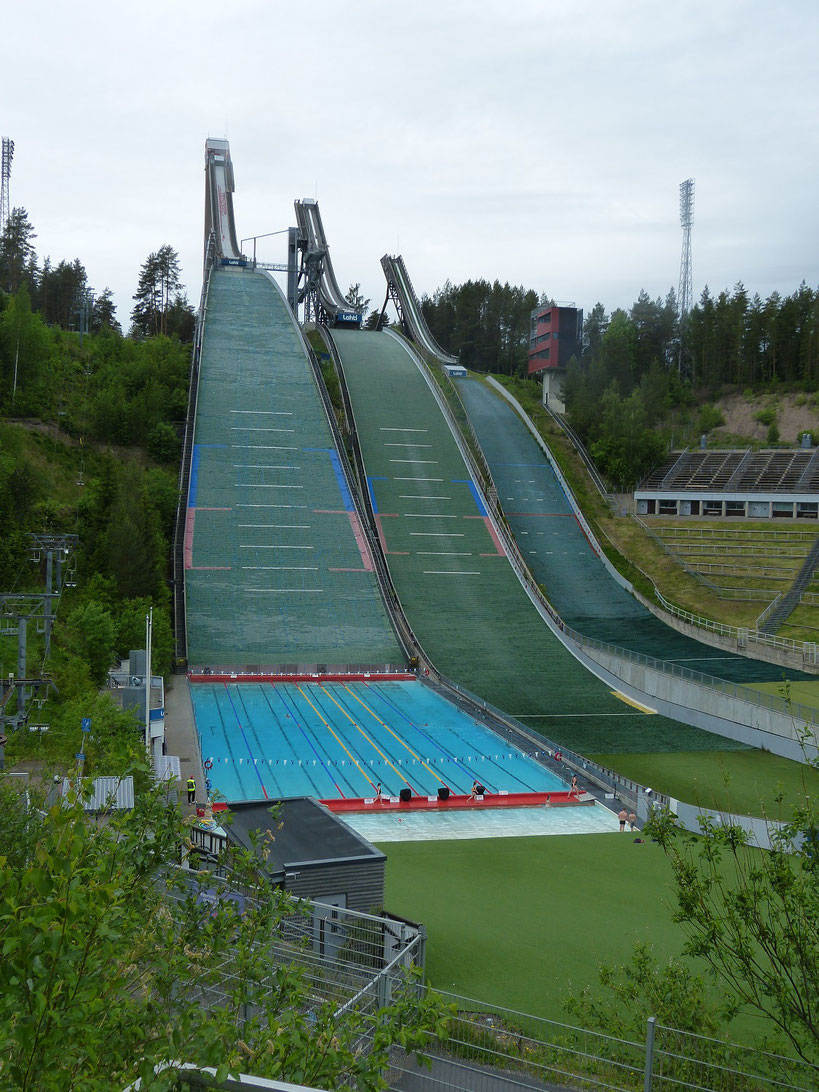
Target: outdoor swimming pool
x,y
338,740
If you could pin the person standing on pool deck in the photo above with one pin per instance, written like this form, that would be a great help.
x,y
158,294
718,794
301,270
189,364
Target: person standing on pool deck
x,y
575,788
378,792
632,820
623,817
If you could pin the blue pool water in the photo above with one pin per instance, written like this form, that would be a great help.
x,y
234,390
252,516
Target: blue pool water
x,y
338,740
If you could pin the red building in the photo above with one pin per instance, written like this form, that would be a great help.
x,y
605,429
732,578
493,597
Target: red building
x,y
556,336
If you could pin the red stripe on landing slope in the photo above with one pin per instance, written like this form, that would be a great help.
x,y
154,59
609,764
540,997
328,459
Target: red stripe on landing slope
x,y
583,529
361,542
387,515
498,544
190,519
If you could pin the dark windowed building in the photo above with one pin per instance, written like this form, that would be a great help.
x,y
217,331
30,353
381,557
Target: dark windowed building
x,y
556,336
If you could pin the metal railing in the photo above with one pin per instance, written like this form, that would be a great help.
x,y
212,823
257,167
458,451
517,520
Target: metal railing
x,y
179,609
587,460
760,533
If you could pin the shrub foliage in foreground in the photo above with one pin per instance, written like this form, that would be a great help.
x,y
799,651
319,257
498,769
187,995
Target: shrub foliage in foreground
x,y
104,974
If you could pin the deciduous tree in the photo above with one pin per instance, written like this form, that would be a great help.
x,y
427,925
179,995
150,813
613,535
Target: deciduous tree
x,y
113,964
753,915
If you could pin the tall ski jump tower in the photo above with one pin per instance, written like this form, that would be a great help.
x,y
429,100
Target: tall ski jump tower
x,y
8,155
685,295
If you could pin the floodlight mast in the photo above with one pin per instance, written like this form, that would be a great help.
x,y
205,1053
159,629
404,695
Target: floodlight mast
x,y
685,296
5,177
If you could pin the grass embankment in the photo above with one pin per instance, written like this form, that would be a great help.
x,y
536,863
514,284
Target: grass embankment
x,y
739,782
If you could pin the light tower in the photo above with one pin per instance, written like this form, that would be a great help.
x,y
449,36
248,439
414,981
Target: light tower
x,y
8,155
685,296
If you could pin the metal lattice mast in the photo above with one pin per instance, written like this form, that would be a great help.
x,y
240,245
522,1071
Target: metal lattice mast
x,y
8,155
685,296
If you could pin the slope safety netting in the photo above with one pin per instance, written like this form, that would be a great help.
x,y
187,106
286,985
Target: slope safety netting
x,y
276,568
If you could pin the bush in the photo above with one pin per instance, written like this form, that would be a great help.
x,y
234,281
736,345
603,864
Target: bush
x,y
772,435
710,417
163,443
766,416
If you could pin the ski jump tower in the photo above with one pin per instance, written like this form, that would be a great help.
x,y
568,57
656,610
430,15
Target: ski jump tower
x,y
685,295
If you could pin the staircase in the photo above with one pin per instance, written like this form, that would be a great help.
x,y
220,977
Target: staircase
x,y
791,599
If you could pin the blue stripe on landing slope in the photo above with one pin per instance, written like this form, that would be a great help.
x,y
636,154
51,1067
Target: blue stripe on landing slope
x,y
342,484
194,478
371,491
473,490
347,500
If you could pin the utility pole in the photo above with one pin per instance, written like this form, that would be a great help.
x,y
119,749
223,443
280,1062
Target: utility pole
x,y
149,623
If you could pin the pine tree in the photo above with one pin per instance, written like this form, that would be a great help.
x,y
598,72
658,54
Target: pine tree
x,y
159,285
104,313
17,256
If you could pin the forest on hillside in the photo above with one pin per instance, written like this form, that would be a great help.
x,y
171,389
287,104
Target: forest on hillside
x,y
90,426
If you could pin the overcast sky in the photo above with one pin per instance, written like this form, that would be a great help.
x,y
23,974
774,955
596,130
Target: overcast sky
x,y
539,143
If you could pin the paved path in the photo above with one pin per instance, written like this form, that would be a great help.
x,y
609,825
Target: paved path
x,y
180,734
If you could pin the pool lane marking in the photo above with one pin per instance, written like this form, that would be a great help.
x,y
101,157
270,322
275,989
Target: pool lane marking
x,y
340,742
288,702
244,737
371,741
395,735
446,751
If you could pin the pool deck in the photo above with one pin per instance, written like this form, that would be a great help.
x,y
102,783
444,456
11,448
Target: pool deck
x,y
456,801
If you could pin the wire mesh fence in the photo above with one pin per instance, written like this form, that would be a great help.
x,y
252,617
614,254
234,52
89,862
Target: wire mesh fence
x,y
489,1049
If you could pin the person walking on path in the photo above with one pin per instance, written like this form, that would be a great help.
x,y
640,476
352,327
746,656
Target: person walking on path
x,y
191,790
623,817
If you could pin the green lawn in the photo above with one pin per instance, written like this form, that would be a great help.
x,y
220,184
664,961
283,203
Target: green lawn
x,y
512,920
742,782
